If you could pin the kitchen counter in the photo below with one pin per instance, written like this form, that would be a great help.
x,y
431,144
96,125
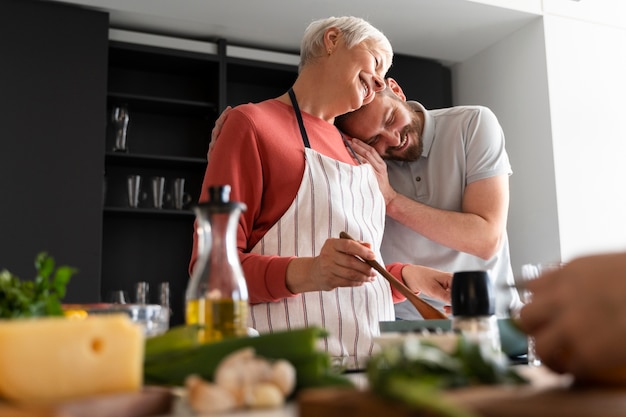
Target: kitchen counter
x,y
290,409
336,402
548,395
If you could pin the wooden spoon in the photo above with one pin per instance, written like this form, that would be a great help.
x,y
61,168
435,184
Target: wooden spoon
x,y
427,311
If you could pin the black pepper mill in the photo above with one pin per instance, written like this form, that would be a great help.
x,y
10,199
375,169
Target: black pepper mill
x,y
473,308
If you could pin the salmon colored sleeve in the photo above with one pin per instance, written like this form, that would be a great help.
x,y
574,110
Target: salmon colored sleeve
x,y
395,269
236,159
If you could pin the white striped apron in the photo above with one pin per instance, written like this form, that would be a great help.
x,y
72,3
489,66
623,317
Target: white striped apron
x,y
333,197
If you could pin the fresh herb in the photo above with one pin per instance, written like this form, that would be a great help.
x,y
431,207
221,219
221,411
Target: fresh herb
x,y
416,371
39,297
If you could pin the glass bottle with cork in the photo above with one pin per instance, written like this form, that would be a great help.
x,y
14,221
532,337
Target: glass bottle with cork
x,y
217,295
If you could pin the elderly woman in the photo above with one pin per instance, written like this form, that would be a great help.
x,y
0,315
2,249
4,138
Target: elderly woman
x,y
296,173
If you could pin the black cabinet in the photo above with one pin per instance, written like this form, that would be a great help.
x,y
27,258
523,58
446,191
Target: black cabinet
x,y
173,97
423,80
253,81
53,95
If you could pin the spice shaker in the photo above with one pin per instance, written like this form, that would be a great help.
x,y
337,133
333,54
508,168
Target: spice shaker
x,y
473,308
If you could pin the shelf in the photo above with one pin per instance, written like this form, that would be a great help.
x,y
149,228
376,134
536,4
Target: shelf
x,y
128,54
165,105
148,212
129,159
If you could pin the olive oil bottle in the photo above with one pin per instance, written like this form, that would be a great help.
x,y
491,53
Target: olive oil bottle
x,y
217,296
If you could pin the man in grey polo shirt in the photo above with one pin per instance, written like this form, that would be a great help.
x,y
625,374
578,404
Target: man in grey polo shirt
x,y
444,174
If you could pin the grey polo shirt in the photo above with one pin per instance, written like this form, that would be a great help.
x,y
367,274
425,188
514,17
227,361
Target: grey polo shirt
x,y
462,144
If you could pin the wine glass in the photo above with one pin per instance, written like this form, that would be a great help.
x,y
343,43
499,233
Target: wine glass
x,y
142,291
529,272
118,297
120,119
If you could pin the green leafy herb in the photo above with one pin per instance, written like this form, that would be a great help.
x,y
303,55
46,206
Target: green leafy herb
x,y
416,371
39,297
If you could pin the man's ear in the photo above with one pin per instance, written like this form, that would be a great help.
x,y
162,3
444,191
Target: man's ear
x,y
395,88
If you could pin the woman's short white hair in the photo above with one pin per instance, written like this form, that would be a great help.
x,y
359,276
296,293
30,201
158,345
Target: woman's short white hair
x,y
354,31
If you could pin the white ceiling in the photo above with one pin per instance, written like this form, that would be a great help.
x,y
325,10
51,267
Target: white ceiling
x,y
445,30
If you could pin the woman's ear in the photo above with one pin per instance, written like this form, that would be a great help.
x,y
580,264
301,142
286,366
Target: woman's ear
x,y
331,39
395,88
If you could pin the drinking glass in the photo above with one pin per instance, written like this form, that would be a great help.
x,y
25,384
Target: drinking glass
x,y
142,290
164,295
118,297
158,184
166,310
181,198
134,190
120,119
530,272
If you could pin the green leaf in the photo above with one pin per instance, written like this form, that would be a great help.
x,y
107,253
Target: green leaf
x,y
39,297
44,265
415,371
61,279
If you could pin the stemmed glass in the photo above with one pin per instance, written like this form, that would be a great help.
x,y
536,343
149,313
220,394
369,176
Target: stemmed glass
x,y
120,119
530,272
118,297
142,291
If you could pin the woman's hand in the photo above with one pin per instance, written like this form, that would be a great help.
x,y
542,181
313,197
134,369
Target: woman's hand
x,y
429,281
335,266
369,155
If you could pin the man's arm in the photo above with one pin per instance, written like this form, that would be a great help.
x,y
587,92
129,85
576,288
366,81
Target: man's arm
x,y
477,229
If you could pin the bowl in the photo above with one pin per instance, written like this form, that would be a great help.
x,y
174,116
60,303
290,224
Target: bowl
x,y
514,342
153,318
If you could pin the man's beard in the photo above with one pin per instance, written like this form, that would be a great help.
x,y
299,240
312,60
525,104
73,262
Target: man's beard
x,y
414,150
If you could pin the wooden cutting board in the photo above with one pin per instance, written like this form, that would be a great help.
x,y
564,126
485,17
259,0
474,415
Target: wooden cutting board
x,y
151,401
551,398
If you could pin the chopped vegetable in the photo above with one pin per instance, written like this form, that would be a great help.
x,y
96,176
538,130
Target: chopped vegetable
x,y
171,357
39,297
416,371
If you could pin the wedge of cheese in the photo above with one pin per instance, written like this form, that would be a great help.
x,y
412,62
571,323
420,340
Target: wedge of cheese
x,y
53,359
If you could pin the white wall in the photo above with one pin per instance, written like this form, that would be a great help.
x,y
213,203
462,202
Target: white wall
x,y
510,77
559,91
604,12
531,6
587,85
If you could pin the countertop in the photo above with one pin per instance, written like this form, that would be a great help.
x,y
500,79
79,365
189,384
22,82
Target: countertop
x,y
548,395
180,408
541,379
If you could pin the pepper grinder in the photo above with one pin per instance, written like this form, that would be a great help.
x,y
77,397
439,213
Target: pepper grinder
x,y
473,307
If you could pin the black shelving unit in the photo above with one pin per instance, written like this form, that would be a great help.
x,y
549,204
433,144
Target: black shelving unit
x,y
173,99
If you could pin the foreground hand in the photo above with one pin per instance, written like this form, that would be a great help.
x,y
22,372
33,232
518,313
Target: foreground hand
x,y
335,266
578,315
368,154
429,281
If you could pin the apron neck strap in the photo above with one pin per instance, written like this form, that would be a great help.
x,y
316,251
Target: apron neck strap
x,y
296,110
305,137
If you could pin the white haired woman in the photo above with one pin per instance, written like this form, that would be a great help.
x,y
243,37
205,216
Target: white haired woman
x,y
296,173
